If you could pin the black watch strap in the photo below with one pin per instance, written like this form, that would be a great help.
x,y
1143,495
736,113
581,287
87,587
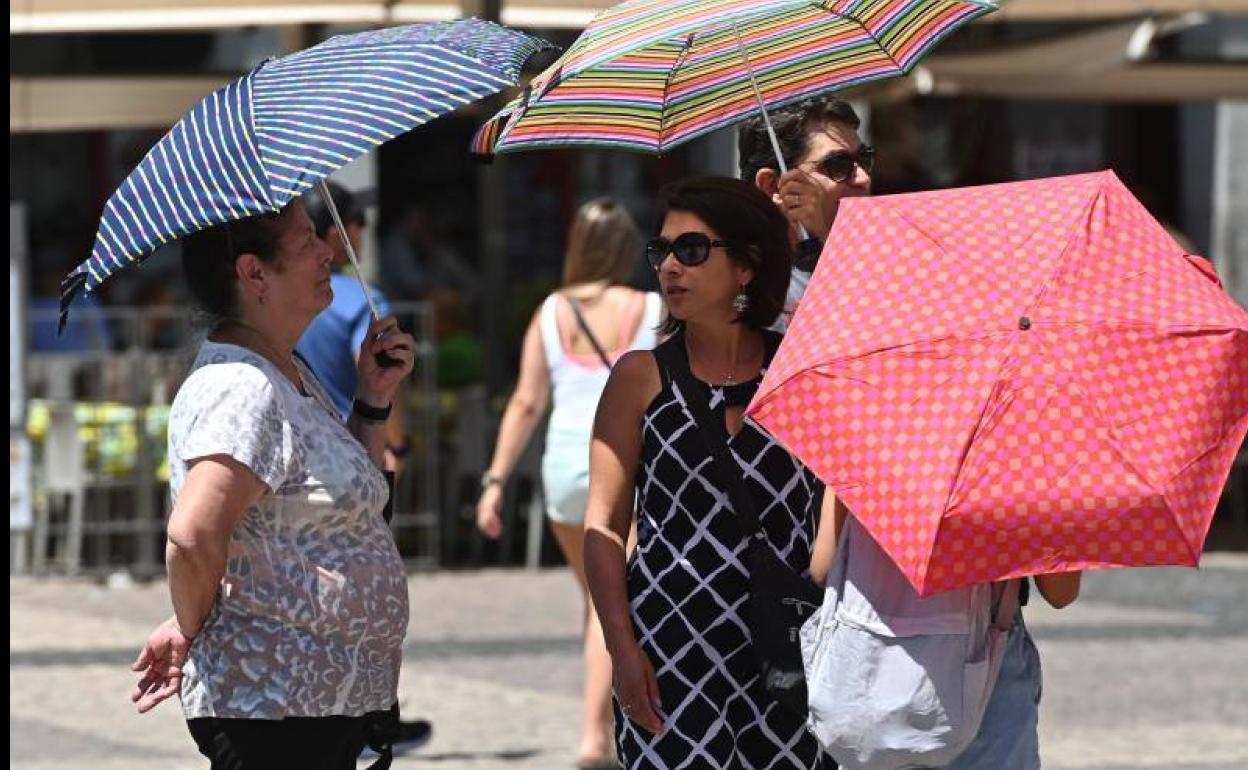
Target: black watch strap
x,y
371,413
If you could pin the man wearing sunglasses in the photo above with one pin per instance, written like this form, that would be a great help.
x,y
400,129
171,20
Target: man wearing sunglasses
x,y
827,162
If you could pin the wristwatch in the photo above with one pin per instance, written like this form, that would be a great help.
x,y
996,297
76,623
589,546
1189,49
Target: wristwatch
x,y
371,413
488,480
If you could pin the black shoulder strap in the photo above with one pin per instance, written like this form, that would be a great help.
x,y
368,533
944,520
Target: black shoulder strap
x,y
673,357
771,343
580,320
662,356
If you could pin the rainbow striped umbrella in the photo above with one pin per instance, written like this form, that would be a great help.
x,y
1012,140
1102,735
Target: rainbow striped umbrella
x,y
648,75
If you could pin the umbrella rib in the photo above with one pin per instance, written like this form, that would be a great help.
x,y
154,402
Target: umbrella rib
x,y
858,355
899,213
1187,328
249,132
248,128
1102,416
1062,258
1230,431
965,453
884,49
667,83
1045,287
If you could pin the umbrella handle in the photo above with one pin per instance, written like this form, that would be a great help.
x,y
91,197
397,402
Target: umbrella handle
x,y
383,360
802,235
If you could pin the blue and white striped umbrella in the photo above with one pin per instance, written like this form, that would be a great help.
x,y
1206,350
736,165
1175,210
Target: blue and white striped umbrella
x,y
267,138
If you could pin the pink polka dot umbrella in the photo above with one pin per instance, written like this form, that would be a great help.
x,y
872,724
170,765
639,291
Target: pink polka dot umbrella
x,y
1014,379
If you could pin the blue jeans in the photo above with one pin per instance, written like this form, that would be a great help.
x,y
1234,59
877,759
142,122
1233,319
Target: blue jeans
x,y
1008,736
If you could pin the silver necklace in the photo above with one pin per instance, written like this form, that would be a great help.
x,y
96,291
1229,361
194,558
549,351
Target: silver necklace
x,y
730,378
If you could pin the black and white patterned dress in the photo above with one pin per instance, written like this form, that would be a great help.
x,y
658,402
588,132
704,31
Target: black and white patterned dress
x,y
688,586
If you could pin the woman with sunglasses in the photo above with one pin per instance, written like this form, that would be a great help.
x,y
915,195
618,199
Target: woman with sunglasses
x,y
687,684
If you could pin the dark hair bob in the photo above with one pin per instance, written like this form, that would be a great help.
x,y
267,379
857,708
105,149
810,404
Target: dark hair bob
x,y
756,231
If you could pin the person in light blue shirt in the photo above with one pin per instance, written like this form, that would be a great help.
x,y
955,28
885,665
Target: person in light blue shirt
x,y
828,162
331,344
86,332
332,341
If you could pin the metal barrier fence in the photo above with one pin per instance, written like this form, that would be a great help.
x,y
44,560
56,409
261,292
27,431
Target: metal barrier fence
x,y
97,416
97,419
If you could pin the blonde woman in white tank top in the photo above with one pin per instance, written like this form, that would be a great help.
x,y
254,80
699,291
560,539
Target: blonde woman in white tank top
x,y
560,363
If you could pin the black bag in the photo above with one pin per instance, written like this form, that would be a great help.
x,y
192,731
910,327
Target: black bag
x,y
381,730
780,599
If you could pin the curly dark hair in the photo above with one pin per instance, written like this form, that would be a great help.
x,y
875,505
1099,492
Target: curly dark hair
x,y
791,124
757,232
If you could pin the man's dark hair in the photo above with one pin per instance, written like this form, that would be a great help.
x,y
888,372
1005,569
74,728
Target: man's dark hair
x,y
344,200
792,124
756,231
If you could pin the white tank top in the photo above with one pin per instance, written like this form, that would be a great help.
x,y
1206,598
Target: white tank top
x,y
577,380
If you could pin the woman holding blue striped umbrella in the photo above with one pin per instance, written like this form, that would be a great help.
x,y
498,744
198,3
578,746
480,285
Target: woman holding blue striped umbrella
x,y
290,600
289,595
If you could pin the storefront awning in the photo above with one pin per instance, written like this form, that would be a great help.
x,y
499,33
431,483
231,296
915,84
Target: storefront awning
x,y
114,103
1108,64
1083,10
1142,83
531,14
48,16
61,16
97,103
577,13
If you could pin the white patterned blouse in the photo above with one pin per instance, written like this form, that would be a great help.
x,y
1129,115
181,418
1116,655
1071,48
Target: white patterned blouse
x,y
311,613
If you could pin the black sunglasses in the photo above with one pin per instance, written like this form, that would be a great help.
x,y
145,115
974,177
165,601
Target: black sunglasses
x,y
839,166
690,249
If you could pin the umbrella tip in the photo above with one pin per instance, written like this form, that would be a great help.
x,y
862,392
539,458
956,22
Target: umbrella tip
x,y
70,287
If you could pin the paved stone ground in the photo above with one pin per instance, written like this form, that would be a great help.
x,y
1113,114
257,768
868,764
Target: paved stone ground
x,y
1148,670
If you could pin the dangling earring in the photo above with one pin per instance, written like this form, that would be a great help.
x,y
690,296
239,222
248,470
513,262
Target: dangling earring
x,y
741,302
261,299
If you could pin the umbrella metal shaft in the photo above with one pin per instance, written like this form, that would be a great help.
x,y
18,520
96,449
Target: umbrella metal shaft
x,y
346,245
771,132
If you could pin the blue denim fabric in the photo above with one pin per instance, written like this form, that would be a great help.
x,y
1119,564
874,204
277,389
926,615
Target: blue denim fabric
x,y
1008,737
